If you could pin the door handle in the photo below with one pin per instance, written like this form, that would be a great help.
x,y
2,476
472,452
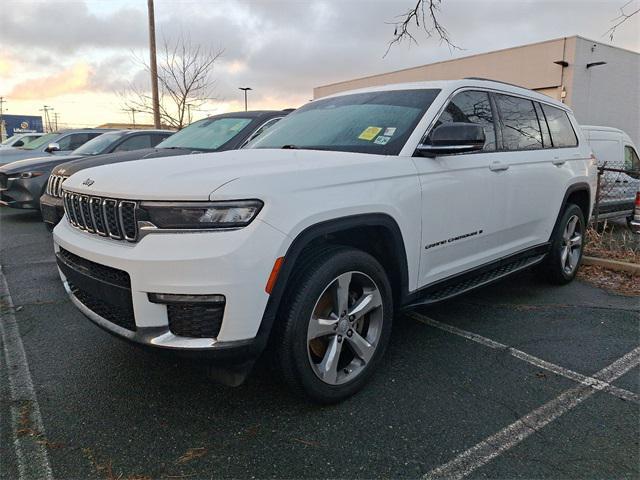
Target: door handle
x,y
498,166
558,162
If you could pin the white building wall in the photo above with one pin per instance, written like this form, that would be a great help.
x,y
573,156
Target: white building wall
x,y
606,94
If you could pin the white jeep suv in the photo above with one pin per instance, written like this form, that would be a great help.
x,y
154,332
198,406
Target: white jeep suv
x,y
351,208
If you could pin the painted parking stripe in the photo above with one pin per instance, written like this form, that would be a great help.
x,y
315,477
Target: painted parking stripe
x,y
26,420
500,442
593,382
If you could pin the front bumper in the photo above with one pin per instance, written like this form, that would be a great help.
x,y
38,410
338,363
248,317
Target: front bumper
x,y
235,264
52,209
22,192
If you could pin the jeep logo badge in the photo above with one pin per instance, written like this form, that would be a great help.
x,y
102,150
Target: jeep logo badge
x,y
88,182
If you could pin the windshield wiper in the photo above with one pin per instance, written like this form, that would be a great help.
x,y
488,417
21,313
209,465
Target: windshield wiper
x,y
289,147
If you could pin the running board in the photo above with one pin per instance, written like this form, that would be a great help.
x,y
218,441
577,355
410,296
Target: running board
x,y
448,288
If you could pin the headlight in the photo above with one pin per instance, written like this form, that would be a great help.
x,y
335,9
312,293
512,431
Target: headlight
x,y
199,215
26,175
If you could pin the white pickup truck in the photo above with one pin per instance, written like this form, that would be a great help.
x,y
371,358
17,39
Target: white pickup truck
x,y
348,210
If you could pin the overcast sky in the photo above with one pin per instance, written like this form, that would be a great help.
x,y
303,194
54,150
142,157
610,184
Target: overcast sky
x,y
76,55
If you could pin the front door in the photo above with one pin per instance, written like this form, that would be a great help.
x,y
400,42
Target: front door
x,y
460,224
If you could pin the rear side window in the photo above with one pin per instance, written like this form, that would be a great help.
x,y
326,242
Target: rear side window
x,y
560,127
546,135
471,107
520,127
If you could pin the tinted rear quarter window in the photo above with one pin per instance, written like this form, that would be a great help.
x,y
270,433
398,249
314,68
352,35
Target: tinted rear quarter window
x,y
520,127
560,127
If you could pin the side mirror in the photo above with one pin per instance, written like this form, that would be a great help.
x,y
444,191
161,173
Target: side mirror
x,y
52,147
451,138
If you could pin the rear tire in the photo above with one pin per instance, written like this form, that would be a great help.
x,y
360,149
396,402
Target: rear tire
x,y
334,325
567,245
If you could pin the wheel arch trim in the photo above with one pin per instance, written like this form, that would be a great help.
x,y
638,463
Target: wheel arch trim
x,y
316,231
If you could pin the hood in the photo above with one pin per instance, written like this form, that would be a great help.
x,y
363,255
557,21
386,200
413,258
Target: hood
x,y
40,163
196,177
8,155
69,168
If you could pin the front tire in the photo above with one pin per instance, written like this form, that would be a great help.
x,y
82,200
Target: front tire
x,y
567,245
335,324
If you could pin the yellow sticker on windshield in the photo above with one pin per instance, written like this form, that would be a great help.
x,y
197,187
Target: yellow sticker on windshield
x,y
369,133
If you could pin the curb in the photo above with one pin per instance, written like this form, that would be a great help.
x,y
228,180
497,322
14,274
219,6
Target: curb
x,y
632,268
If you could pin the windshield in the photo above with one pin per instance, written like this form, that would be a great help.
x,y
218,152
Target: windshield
x,y
98,145
207,134
41,142
373,122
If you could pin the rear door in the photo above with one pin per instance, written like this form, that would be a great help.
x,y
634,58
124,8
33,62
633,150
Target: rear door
x,y
540,149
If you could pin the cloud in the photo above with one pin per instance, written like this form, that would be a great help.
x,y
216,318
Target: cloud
x,y
74,79
68,26
280,48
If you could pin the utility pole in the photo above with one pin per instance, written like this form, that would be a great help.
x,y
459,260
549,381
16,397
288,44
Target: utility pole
x,y
2,128
55,119
47,121
153,65
245,89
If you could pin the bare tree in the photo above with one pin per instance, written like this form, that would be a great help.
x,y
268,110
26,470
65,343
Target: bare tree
x,y
621,18
424,15
185,81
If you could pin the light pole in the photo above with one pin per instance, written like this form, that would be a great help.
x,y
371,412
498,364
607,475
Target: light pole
x,y
245,89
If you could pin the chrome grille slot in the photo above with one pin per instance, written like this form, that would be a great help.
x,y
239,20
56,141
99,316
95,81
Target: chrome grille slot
x,y
110,208
95,205
86,213
107,217
75,200
54,185
127,213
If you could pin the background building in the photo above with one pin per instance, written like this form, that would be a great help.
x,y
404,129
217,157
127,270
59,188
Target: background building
x,y
599,82
12,124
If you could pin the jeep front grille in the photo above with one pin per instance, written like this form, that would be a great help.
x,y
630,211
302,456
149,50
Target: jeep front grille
x,y
54,185
103,216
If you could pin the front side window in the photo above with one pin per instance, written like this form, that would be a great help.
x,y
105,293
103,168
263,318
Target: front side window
x,y
562,132
372,122
471,107
134,143
631,161
520,127
98,145
76,140
207,134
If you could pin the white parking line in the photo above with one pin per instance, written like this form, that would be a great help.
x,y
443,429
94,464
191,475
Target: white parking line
x,y
26,420
498,443
593,382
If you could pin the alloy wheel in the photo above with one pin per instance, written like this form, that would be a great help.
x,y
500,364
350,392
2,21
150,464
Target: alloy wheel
x,y
345,328
571,246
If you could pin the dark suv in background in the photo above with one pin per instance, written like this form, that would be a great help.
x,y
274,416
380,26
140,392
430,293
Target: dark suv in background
x,y
23,182
218,133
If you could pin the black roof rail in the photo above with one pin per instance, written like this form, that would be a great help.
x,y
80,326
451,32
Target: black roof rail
x,y
496,81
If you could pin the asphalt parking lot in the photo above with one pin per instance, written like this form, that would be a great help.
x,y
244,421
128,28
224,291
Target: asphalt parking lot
x,y
516,380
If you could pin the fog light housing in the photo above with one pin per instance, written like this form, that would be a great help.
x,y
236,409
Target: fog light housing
x,y
193,316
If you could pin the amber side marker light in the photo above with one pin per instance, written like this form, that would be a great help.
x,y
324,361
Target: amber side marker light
x,y
274,275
